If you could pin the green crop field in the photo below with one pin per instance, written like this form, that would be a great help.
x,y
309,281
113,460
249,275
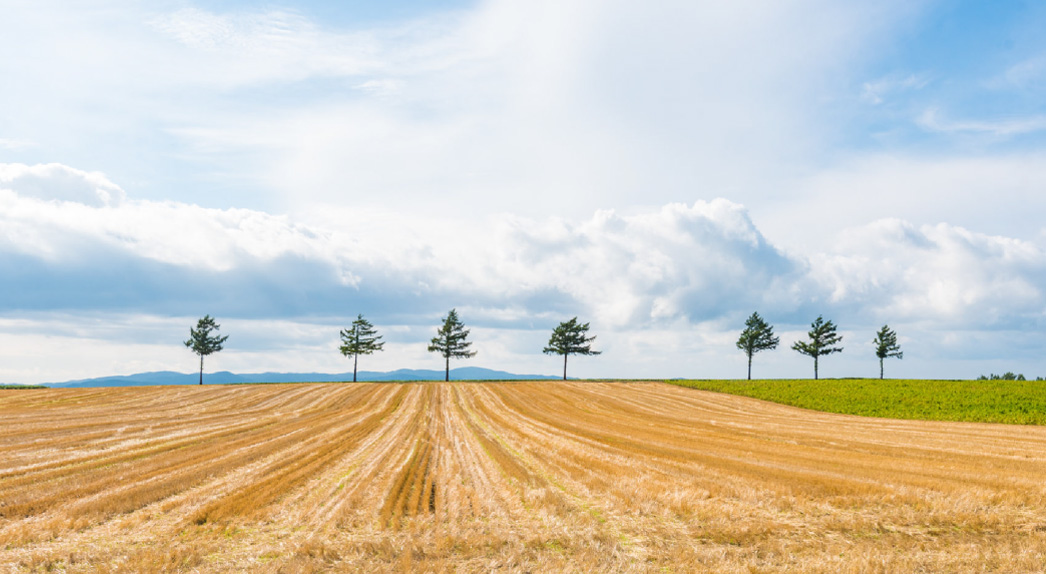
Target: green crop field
x,y
1014,402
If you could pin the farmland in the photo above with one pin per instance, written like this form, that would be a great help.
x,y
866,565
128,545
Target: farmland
x,y
503,477
986,401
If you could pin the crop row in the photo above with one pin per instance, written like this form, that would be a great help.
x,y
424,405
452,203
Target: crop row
x,y
511,477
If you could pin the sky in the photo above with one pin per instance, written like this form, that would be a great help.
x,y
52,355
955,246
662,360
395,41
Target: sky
x,y
658,170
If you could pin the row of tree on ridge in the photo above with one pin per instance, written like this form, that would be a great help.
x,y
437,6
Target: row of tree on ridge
x,y
759,336
569,338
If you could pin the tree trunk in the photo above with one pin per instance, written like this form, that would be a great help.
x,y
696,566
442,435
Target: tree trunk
x,y
201,369
564,366
749,366
815,367
880,368
355,360
447,376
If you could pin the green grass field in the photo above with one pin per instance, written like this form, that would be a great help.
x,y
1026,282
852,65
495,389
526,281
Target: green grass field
x,y
1013,402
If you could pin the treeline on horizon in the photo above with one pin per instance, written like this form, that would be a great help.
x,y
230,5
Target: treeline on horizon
x,y
571,338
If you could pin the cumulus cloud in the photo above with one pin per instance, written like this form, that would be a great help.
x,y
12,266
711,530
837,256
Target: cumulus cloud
x,y
682,261
940,274
59,182
674,280
972,191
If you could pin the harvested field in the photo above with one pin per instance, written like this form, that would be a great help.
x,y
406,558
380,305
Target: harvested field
x,y
503,477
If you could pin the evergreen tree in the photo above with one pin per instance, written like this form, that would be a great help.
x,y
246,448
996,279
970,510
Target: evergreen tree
x,y
202,342
450,341
360,339
822,337
757,336
886,346
569,339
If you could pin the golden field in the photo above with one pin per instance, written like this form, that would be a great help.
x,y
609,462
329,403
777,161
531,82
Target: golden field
x,y
503,477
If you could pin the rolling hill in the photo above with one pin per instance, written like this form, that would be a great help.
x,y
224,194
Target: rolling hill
x,y
226,378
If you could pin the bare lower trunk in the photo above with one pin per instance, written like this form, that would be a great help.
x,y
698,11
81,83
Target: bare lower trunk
x,y
355,360
815,368
447,375
564,366
201,369
880,369
749,366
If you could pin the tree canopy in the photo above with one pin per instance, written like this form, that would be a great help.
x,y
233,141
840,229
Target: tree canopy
x,y
451,341
202,342
822,337
569,339
360,339
757,336
886,346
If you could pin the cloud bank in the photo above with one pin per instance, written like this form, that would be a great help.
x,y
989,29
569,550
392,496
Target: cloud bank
x,y
74,243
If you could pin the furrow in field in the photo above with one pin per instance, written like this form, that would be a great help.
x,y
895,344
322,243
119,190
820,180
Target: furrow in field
x,y
751,455
164,474
513,477
336,434
276,448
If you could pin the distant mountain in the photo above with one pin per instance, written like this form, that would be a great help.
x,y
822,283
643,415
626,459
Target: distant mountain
x,y
226,378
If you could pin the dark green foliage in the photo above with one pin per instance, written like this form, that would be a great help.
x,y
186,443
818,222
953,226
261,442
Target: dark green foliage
x,y
997,401
202,342
757,336
1007,376
13,387
569,339
450,341
822,337
360,339
886,346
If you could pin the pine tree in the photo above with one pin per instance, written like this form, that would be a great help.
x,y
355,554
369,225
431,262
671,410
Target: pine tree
x,y
360,339
886,346
757,336
202,343
450,341
822,337
569,339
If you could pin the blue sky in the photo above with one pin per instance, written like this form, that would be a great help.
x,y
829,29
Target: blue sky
x,y
659,170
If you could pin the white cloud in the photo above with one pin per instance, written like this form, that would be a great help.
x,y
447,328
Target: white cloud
x,y
977,192
931,120
574,107
459,159
876,91
680,261
939,274
691,263
1028,73
244,48
665,291
164,232
58,182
